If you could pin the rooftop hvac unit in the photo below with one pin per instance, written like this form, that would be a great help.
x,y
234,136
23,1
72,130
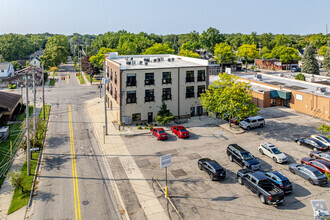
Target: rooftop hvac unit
x,y
172,59
258,77
146,63
158,59
162,58
146,59
140,62
133,62
128,63
155,60
169,59
131,58
321,89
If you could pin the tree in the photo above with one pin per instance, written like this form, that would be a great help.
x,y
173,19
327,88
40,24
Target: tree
x,y
27,64
164,116
15,46
323,50
16,180
309,62
210,38
247,52
282,40
158,48
53,69
88,67
224,53
56,52
98,59
189,53
324,129
16,65
300,76
266,53
326,61
318,40
229,96
285,54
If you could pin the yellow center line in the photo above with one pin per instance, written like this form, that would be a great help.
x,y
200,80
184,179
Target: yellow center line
x,y
74,169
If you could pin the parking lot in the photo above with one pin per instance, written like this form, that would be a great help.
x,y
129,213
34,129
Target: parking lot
x,y
197,197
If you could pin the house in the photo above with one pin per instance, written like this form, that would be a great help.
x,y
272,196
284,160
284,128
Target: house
x,y
6,69
140,83
35,62
36,54
274,64
10,105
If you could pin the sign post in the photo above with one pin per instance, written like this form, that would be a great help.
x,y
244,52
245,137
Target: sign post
x,y
165,161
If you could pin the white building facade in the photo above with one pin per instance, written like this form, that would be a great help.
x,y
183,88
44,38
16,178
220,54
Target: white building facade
x,y
6,69
140,83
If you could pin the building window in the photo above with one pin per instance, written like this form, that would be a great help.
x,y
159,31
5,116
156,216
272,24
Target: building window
x,y
149,97
131,97
131,80
111,88
190,92
111,75
201,89
136,117
149,79
107,71
166,78
115,77
167,95
116,94
201,76
190,76
199,110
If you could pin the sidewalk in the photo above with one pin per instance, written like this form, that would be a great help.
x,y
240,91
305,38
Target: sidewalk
x,y
130,182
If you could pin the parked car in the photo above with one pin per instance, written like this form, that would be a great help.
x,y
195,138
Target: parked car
x,y
294,70
261,185
321,165
313,175
236,120
180,131
311,143
320,155
160,133
242,157
252,122
4,133
273,152
323,139
280,180
212,168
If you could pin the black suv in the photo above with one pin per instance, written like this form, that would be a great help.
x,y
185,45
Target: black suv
x,y
212,168
242,157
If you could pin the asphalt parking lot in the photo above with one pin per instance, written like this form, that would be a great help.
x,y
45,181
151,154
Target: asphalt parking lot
x,y
197,197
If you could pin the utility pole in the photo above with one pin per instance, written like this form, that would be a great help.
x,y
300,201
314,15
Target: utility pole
x,y
105,100
27,127
34,107
43,92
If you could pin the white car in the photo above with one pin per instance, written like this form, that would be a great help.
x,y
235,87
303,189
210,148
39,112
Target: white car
x,y
273,152
322,138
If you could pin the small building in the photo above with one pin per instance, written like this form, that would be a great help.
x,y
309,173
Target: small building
x,y
140,83
35,62
274,64
9,106
6,69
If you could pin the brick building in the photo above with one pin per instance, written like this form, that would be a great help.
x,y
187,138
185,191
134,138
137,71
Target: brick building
x,y
274,64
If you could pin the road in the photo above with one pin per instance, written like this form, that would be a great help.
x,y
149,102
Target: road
x,y
74,183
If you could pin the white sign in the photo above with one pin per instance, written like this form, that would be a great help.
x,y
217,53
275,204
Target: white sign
x,y
320,209
165,161
299,97
105,80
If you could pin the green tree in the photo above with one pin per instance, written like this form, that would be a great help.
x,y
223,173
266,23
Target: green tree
x,y
324,129
266,53
318,40
189,53
16,180
323,50
285,54
247,52
17,65
164,116
210,38
98,59
158,48
309,62
282,40
56,52
326,61
15,46
300,76
224,53
229,96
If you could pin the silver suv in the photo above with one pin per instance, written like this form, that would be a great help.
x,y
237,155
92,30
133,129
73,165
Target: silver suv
x,y
252,122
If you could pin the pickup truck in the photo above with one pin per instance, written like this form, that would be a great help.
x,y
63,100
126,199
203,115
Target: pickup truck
x,y
260,185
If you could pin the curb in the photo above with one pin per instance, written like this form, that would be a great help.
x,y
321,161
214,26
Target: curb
x,y
107,167
233,132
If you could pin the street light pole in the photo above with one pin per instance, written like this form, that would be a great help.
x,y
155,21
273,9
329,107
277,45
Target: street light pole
x,y
27,127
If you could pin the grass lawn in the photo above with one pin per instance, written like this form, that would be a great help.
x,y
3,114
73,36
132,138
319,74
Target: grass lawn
x,y
21,199
15,131
89,78
51,82
81,79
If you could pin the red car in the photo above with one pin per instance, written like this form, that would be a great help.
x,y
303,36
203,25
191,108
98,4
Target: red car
x,y
159,133
321,165
180,131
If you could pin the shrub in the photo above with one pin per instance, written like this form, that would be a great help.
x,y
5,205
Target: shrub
x,y
253,67
300,76
150,128
146,127
139,128
16,180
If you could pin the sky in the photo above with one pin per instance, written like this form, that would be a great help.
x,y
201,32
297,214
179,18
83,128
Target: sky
x,y
164,17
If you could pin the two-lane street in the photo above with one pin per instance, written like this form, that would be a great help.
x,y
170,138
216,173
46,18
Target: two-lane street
x,y
73,183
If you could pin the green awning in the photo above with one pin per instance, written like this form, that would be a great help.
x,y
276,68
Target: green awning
x,y
280,94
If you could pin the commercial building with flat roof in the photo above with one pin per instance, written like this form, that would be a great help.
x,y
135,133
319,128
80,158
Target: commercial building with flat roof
x,y
140,83
306,97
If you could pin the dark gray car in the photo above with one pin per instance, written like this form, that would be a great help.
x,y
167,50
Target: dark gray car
x,y
313,175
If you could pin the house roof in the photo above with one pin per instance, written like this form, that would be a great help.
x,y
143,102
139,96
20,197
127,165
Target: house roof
x,y
4,66
37,58
30,69
9,100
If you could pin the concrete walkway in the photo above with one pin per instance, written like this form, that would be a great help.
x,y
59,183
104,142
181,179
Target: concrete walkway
x,y
115,148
